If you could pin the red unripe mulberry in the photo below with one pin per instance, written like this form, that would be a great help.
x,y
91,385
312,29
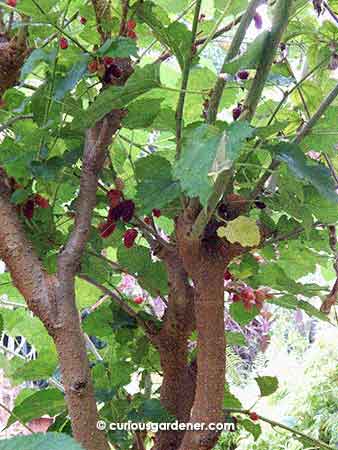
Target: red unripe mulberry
x,y
254,416
63,43
106,229
28,209
41,201
114,197
129,237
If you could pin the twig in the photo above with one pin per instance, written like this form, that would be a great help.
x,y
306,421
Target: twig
x,y
273,423
13,120
331,167
233,51
307,127
331,12
304,131
288,93
125,9
4,407
123,305
299,89
280,21
185,79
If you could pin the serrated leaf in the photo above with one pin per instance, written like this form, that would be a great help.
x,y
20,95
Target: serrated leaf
x,y
50,441
267,385
156,186
116,97
47,401
250,59
314,173
230,400
243,230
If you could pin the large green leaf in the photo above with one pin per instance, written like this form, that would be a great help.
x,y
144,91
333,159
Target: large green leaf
x,y
156,186
47,401
250,58
117,97
207,150
241,315
314,173
50,441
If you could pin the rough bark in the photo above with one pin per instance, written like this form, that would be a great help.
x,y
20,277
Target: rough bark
x,y
179,377
205,265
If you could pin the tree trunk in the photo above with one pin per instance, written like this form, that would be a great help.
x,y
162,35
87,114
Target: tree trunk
x,y
205,263
79,391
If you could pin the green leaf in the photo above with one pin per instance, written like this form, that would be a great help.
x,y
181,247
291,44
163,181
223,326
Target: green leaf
x,y
241,315
316,174
50,441
73,76
150,411
230,400
120,47
36,57
47,401
253,428
142,113
267,385
250,59
19,196
156,186
175,37
207,150
233,338
117,97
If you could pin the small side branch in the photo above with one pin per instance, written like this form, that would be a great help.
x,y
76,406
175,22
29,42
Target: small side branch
x,y
280,21
185,79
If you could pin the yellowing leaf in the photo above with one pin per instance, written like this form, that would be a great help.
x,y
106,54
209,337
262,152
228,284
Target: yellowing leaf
x,y
243,230
221,232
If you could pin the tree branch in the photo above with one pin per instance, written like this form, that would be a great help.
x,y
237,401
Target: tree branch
x,y
13,120
319,444
302,133
103,16
21,260
232,52
122,304
185,79
280,21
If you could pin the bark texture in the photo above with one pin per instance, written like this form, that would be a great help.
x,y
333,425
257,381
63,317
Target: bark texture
x,y
205,265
